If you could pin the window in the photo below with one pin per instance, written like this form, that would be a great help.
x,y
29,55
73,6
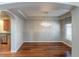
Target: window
x,y
69,32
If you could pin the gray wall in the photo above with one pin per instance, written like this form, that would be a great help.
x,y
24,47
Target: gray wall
x,y
16,32
75,32
34,32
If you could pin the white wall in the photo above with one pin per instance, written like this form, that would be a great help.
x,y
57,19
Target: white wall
x,y
16,33
34,32
75,32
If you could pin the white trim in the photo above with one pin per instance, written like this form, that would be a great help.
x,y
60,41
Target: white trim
x,y
17,49
13,51
51,41
67,44
42,41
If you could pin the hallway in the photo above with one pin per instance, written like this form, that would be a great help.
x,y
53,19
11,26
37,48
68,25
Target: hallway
x,y
5,46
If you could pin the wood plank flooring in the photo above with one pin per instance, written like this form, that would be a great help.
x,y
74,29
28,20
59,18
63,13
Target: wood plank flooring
x,y
40,49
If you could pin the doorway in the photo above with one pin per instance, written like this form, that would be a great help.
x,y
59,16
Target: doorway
x,y
5,32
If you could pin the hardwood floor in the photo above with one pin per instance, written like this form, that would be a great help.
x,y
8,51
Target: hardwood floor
x,y
40,49
4,47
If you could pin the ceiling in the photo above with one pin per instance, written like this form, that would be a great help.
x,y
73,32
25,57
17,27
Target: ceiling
x,y
39,9
45,9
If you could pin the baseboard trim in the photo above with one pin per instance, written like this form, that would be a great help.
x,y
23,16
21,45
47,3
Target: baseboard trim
x,y
14,51
66,44
42,41
49,41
